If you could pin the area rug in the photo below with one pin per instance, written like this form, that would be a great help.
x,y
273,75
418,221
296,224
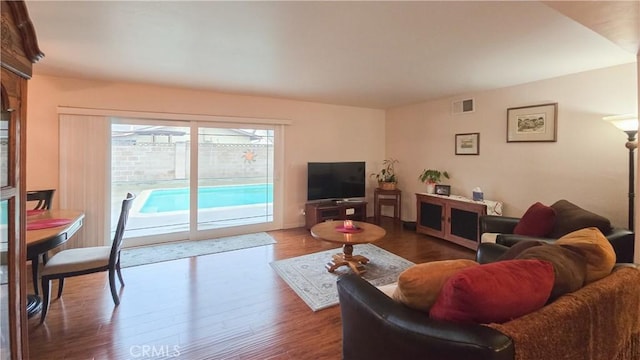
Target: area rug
x,y
308,277
183,249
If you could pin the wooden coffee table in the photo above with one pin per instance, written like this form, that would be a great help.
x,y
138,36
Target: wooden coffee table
x,y
327,231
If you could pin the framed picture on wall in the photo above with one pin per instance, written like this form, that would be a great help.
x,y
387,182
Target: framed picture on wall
x,y
532,123
468,144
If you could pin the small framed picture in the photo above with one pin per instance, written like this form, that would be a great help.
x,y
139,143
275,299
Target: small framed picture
x,y
443,190
532,123
468,144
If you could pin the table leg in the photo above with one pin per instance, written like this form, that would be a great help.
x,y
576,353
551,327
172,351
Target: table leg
x,y
355,262
34,305
35,265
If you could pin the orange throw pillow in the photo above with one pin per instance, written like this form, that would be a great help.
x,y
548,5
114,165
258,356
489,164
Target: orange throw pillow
x,y
419,285
594,246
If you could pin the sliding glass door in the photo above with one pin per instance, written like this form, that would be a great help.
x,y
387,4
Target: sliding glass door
x,y
235,176
194,180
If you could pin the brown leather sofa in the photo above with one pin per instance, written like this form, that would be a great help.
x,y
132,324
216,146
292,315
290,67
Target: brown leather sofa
x,y
374,326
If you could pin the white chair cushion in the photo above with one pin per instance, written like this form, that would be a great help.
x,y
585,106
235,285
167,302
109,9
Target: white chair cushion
x,y
489,237
80,259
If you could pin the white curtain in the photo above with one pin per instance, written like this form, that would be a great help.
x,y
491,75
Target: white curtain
x,y
84,175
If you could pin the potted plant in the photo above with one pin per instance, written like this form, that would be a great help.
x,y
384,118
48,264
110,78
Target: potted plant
x,y
432,177
386,177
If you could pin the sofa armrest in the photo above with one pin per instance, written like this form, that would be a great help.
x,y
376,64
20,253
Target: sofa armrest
x,y
622,241
489,252
375,326
497,224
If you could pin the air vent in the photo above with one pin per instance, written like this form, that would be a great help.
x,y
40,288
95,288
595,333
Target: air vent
x,y
463,106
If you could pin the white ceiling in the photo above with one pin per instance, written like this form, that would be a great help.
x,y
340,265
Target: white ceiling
x,y
368,54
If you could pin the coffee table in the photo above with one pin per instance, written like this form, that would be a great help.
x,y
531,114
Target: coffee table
x,y
327,231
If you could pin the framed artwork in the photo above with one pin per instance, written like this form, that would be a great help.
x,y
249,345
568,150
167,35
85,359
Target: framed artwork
x,y
468,144
443,190
532,123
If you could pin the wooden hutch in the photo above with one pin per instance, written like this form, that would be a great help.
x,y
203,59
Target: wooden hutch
x,y
19,51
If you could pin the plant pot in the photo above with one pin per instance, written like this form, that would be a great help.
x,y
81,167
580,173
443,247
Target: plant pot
x,y
431,188
387,185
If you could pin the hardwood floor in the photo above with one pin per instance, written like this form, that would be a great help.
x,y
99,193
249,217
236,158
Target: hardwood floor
x,y
229,305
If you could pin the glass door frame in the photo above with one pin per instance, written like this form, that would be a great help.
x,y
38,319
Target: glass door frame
x,y
193,233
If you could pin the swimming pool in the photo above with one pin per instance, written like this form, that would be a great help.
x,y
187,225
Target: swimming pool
x,y
169,200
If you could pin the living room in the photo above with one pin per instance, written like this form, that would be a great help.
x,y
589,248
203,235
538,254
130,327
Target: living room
x,y
586,164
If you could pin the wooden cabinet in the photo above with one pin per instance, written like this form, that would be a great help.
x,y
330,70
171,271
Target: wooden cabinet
x,y
332,210
19,51
452,219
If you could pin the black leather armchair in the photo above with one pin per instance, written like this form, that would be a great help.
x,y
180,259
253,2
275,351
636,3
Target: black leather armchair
x,y
376,327
622,240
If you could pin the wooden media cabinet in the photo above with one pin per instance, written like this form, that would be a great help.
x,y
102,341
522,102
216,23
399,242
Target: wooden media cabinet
x,y
453,218
317,212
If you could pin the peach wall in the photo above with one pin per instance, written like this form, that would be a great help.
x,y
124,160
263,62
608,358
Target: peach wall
x,y
318,131
588,164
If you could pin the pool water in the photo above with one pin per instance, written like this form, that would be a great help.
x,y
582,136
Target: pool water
x,y
165,200
4,216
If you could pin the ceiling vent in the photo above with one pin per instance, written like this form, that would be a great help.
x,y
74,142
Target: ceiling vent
x,y
463,106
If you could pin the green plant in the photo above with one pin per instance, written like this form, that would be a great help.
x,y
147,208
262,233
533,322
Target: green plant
x,y
432,176
387,173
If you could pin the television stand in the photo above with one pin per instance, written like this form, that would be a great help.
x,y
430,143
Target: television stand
x,y
317,212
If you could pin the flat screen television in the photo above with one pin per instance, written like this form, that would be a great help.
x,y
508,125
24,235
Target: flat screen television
x,y
335,180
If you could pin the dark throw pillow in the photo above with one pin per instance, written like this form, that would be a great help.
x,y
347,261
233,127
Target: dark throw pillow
x,y
495,292
569,267
518,248
570,217
538,220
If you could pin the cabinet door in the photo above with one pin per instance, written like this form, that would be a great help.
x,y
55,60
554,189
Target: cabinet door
x,y
431,216
463,220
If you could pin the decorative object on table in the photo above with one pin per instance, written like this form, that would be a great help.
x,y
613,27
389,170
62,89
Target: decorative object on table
x,y
432,177
468,144
444,190
46,223
309,279
477,194
532,123
348,227
386,177
629,124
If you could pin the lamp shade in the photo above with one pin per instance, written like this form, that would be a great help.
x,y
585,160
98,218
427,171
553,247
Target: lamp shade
x,y
628,122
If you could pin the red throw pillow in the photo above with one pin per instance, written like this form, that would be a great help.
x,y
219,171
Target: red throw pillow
x,y
495,292
538,220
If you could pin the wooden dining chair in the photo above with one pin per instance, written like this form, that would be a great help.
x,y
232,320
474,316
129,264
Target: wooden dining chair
x,y
43,197
87,260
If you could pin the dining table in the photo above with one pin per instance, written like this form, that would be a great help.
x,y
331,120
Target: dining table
x,y
46,230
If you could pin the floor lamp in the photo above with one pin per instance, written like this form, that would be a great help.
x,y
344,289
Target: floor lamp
x,y
628,124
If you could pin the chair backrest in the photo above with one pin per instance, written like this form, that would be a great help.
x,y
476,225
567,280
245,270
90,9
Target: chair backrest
x,y
122,223
43,197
